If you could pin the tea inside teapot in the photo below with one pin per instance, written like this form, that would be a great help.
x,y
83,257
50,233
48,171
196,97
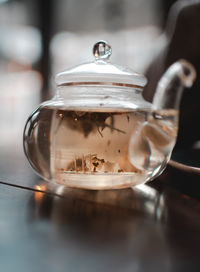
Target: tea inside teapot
x,y
94,142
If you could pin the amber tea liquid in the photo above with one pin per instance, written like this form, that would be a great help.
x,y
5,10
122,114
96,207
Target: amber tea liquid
x,y
99,149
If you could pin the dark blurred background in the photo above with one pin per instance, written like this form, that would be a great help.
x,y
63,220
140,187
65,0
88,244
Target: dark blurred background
x,y
39,38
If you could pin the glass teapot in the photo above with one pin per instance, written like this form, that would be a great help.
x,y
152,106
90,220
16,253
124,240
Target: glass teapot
x,y
98,132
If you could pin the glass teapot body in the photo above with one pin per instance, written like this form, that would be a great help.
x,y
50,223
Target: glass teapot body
x,y
99,135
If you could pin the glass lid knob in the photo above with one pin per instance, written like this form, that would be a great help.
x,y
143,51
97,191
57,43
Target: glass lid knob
x,y
102,50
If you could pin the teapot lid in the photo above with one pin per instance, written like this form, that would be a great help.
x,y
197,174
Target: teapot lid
x,y
101,72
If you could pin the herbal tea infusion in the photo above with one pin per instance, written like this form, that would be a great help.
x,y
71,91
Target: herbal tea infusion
x,y
133,144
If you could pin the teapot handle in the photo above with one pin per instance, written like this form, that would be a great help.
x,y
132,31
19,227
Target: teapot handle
x,y
171,85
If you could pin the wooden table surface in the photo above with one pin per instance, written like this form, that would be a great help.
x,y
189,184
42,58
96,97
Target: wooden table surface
x,y
152,227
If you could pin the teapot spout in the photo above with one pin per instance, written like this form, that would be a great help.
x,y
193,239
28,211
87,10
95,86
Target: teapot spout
x,y
169,91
